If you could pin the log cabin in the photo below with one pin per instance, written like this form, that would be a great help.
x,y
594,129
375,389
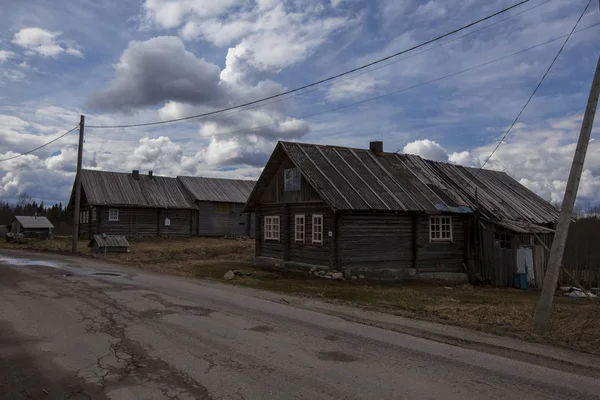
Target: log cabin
x,y
392,216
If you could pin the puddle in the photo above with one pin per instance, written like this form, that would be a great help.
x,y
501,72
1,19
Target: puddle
x,y
336,356
26,263
106,273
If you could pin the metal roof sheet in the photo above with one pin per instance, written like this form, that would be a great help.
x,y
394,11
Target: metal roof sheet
x,y
109,241
122,189
216,189
34,222
357,179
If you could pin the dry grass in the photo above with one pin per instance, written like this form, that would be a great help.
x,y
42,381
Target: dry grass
x,y
575,322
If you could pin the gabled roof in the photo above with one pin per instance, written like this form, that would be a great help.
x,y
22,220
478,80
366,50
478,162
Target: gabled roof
x,y
122,189
109,241
356,179
219,190
34,222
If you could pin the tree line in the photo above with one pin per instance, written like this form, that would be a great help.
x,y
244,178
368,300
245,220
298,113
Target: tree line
x,y
25,205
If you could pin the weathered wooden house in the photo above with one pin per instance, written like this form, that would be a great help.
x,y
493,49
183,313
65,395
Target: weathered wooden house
x,y
134,205
394,216
220,205
32,227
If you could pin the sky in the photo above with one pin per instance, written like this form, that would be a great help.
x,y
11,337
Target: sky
x,y
141,61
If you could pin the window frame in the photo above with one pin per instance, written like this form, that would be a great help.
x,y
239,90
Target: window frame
x,y
438,220
298,217
290,185
272,221
110,219
503,240
94,212
320,231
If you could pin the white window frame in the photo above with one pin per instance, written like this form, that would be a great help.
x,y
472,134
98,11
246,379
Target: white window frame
x,y
299,234
110,212
317,229
272,228
438,235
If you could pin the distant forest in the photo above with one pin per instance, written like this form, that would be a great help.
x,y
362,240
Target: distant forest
x,y
57,214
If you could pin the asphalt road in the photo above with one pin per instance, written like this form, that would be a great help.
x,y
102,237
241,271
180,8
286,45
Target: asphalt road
x,y
68,333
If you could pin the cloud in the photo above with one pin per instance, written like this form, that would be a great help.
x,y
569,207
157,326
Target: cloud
x,y
44,43
427,149
353,88
5,55
159,70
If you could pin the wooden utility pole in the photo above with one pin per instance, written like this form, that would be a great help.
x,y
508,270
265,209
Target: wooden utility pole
x,y
78,186
542,316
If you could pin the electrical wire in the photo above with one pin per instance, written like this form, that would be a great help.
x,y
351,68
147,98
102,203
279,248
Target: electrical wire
x,y
398,90
317,82
39,147
533,93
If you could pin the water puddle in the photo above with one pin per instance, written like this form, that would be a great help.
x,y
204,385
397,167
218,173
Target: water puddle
x,y
73,271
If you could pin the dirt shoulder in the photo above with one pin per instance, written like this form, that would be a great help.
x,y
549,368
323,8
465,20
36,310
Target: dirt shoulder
x,y
504,312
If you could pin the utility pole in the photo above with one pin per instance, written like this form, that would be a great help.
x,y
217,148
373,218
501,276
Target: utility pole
x,y
542,316
77,186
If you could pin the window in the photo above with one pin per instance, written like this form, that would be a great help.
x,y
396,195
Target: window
x,y
317,229
440,228
291,179
93,214
222,208
86,215
526,240
272,228
113,214
299,228
503,240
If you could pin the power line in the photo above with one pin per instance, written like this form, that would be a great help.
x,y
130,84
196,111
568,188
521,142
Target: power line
x,y
39,147
534,90
320,81
402,89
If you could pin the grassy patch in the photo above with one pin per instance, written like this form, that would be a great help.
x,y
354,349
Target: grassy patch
x,y
575,322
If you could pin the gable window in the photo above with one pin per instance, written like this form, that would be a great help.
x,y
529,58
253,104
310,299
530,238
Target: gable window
x,y
317,229
503,240
440,228
299,228
113,214
291,179
272,228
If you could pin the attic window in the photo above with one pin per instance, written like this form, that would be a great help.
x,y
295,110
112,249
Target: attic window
x,y
291,179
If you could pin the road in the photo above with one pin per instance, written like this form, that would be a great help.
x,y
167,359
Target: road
x,y
70,330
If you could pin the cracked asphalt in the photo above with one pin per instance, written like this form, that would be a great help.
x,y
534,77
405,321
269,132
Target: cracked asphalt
x,y
68,333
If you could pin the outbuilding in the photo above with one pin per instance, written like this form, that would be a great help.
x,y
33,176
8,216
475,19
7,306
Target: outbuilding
x,y
394,216
109,244
220,205
31,226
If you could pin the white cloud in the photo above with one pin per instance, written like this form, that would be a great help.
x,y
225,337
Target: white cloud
x,y
5,55
44,43
431,10
427,149
352,88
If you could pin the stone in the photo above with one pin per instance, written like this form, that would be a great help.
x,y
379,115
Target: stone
x,y
354,277
328,277
313,269
229,275
595,291
321,272
347,273
337,276
361,276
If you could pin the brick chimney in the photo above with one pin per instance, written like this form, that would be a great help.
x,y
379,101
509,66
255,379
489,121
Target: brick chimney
x,y
150,174
136,174
376,147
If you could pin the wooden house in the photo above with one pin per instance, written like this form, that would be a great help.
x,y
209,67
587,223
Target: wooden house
x,y
220,205
32,227
134,205
393,216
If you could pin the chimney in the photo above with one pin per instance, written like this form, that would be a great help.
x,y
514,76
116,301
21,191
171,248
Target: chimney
x,y
150,174
136,174
376,147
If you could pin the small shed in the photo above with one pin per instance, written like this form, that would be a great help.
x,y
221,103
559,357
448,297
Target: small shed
x,y
109,244
31,227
